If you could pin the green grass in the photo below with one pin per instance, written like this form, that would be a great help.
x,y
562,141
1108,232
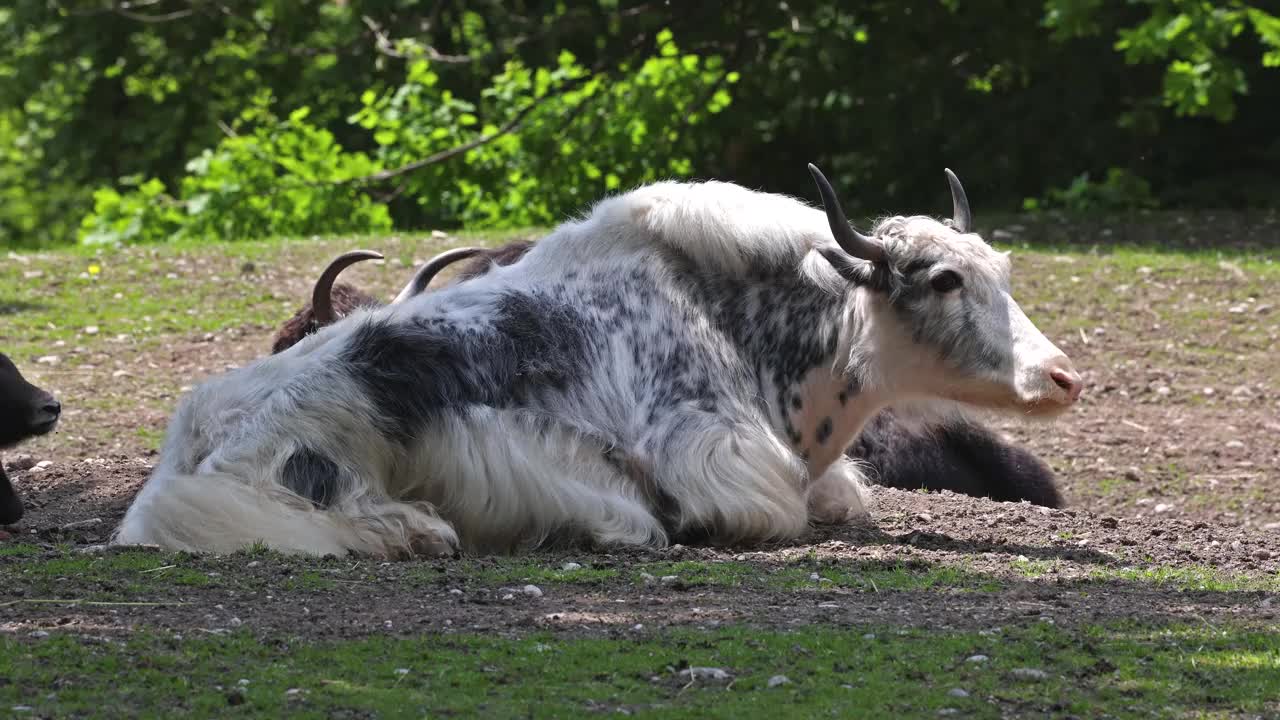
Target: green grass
x,y
509,571
1120,670
126,564
137,573
1191,578
153,293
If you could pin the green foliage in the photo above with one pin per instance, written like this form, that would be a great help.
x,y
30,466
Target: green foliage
x,y
141,124
1191,37
281,177
287,177
1121,190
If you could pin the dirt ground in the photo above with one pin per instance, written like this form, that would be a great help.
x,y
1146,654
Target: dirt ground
x,y
1171,461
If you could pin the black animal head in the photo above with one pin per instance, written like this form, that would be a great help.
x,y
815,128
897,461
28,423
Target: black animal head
x,y
25,412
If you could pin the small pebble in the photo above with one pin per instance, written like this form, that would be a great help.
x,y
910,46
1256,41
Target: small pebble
x,y
777,680
570,566
977,658
869,636
669,579
948,711
21,708
1109,522
532,591
39,634
958,693
1030,674
1262,554
647,578
455,591
21,462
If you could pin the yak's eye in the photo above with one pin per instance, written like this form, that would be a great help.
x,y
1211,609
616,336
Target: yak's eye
x,y
946,281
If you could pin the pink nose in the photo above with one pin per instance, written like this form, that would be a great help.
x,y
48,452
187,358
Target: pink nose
x,y
1066,377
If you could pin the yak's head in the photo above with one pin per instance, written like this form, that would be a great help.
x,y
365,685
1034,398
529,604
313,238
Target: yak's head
x,y
943,315
26,411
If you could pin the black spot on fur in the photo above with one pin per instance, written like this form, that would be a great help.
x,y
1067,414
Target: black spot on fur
x,y
824,431
313,476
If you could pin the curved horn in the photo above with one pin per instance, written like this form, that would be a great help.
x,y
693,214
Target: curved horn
x,y
423,277
321,300
961,217
850,240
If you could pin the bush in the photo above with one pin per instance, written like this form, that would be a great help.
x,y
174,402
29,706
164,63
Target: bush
x,y
580,135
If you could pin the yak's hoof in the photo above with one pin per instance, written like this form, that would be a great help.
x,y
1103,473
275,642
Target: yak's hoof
x,y
432,545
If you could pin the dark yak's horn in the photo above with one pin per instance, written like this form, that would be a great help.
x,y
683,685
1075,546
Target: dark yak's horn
x,y
425,274
321,302
850,240
961,217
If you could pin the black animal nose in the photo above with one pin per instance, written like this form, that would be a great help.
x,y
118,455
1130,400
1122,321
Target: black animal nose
x,y
53,407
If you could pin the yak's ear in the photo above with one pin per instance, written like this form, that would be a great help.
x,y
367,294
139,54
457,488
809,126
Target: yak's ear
x,y
873,276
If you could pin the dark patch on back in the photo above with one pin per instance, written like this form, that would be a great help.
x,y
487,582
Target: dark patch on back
x,y
414,369
313,476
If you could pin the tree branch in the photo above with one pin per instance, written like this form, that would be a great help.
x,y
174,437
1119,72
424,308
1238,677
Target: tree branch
x,y
510,126
387,47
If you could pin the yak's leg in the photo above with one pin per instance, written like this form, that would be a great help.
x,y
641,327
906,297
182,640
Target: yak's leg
x,y
733,480
222,512
399,529
839,495
508,478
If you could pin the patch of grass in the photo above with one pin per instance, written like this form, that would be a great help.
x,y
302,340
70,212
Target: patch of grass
x,y
877,576
309,580
56,301
511,571
1033,569
101,577
1190,578
1117,670
728,574
19,550
867,576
